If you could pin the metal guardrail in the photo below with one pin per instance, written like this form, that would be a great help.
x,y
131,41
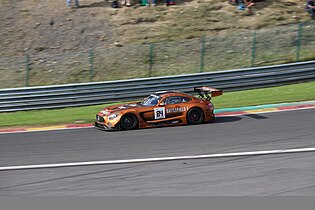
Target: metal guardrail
x,y
70,95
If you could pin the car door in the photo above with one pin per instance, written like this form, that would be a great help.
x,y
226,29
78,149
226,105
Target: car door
x,y
174,106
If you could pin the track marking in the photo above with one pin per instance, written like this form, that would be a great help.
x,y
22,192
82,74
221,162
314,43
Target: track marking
x,y
29,130
222,155
227,114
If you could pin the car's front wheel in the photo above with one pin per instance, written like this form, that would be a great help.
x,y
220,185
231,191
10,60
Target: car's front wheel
x,y
128,122
195,116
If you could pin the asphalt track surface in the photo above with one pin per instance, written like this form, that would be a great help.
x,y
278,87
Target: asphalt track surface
x,y
281,174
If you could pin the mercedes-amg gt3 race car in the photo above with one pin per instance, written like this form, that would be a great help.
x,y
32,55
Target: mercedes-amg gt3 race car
x,y
164,108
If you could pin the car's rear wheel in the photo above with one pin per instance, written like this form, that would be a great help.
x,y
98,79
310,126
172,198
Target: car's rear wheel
x,y
128,122
195,116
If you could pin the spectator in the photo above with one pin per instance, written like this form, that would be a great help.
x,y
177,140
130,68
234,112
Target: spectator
x,y
126,2
76,2
150,2
233,2
310,7
243,4
249,4
115,4
169,2
143,2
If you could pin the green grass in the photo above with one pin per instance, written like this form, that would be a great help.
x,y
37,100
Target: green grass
x,y
50,117
288,93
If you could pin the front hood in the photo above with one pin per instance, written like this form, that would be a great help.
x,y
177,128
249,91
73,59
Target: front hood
x,y
117,108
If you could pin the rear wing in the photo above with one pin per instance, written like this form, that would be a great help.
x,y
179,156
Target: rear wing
x,y
207,92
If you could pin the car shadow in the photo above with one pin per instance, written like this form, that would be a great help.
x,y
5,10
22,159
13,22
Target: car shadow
x,y
256,116
226,119
223,119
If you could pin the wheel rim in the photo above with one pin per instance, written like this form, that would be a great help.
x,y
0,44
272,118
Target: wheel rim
x,y
128,122
195,116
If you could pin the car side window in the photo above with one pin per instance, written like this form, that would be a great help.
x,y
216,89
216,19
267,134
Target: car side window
x,y
185,99
173,100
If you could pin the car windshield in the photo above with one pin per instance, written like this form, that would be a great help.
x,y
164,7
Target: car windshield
x,y
152,100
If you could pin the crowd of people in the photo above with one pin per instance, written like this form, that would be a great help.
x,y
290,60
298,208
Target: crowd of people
x,y
127,3
248,4
240,4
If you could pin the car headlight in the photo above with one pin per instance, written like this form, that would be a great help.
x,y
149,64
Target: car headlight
x,y
113,116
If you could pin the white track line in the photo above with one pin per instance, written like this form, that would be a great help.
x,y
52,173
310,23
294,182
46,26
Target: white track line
x,y
222,155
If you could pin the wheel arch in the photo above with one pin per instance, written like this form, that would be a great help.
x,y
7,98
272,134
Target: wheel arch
x,y
133,114
196,107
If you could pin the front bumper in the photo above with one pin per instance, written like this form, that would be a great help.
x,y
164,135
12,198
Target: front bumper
x,y
103,123
105,127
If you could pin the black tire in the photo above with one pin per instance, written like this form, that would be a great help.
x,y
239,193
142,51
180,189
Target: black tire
x,y
195,116
128,122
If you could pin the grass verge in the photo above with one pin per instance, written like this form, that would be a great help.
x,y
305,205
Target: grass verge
x,y
287,93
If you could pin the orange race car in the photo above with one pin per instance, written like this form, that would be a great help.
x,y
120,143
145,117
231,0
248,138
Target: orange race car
x,y
164,108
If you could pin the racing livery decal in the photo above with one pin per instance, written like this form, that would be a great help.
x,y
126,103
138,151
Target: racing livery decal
x,y
159,113
176,109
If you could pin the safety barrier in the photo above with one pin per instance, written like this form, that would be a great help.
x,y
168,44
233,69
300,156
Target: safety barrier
x,y
70,95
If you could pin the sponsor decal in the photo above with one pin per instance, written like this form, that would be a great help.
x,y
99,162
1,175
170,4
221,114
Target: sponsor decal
x,y
133,105
159,113
176,109
121,107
